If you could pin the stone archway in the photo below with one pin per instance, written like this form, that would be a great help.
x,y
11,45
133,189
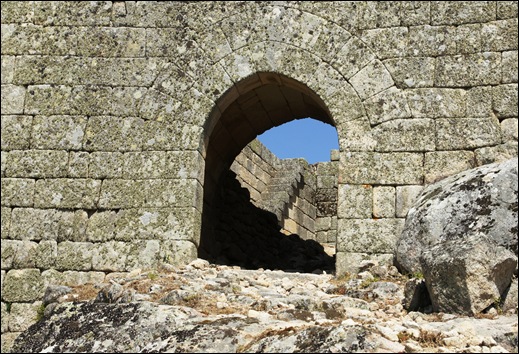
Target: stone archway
x,y
258,103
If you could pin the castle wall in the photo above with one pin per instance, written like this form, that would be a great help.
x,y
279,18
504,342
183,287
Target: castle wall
x,y
117,117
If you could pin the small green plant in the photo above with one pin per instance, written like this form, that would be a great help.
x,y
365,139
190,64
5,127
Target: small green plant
x,y
498,302
152,276
367,282
40,313
8,307
416,275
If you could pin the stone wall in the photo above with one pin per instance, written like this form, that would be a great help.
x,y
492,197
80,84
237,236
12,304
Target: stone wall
x,y
119,119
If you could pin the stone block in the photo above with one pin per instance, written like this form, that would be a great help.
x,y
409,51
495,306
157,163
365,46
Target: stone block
x,y
23,315
3,161
17,192
459,12
110,256
437,102
387,42
22,285
387,105
58,132
9,338
441,164
72,226
7,69
78,164
405,198
17,12
352,57
327,169
101,226
75,278
384,202
24,256
412,72
72,70
13,98
356,135
5,320
9,251
16,132
178,252
506,9
104,165
378,14
326,181
468,133
147,164
371,79
159,106
126,101
160,193
349,262
66,193
509,129
509,66
381,168
61,13
405,135
69,100
143,254
368,235
355,201
5,218
504,98
114,134
468,70
323,224
499,36
468,39
45,254
185,164
32,39
34,224
479,102
118,42
37,164
432,41
498,153
75,255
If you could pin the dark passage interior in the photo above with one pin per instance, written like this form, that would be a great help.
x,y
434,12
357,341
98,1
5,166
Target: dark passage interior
x,y
234,230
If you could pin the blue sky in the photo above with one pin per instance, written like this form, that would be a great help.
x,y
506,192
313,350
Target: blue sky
x,y
307,138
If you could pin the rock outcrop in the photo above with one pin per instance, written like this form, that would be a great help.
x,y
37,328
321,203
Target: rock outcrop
x,y
462,235
212,308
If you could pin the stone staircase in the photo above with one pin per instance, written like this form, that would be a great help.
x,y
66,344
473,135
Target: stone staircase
x,y
282,188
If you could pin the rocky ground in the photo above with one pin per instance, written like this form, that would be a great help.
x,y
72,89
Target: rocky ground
x,y
212,308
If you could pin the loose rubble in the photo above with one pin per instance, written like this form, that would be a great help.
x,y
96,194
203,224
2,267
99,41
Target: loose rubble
x,y
204,307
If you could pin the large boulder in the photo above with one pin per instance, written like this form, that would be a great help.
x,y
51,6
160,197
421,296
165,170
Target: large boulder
x,y
461,235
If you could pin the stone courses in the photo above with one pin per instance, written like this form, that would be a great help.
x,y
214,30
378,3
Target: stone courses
x,y
104,106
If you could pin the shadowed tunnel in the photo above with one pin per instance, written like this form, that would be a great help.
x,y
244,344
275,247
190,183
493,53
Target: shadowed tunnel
x,y
235,231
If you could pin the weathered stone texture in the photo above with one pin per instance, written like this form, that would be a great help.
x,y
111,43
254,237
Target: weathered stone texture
x,y
381,168
23,315
22,285
16,132
384,202
405,198
17,192
469,133
504,98
412,135
437,102
387,105
66,193
13,99
355,201
509,67
509,129
58,132
468,70
368,235
5,217
412,72
441,164
458,12
37,163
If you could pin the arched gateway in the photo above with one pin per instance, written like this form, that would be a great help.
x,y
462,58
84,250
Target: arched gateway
x,y
119,117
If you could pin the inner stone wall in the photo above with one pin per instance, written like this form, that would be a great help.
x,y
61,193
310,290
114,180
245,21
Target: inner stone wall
x,y
109,109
